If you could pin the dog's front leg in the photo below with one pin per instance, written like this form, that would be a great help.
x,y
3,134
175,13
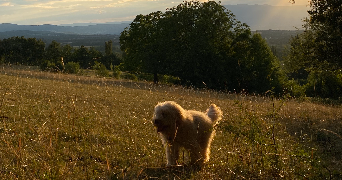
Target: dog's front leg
x,y
172,154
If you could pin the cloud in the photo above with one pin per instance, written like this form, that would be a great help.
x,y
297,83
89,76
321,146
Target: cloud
x,y
70,11
7,4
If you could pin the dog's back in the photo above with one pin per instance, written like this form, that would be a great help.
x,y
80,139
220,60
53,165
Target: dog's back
x,y
214,113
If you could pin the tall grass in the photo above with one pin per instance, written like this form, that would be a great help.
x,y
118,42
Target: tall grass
x,y
55,126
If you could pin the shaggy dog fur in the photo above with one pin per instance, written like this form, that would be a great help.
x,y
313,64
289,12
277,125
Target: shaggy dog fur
x,y
190,129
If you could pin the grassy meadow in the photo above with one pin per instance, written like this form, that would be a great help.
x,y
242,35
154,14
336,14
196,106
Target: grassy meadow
x,y
58,126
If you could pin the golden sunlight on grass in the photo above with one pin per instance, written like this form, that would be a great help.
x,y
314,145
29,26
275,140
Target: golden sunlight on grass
x,y
55,126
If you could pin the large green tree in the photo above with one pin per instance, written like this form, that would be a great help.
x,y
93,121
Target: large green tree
x,y
259,68
326,22
315,57
140,43
202,44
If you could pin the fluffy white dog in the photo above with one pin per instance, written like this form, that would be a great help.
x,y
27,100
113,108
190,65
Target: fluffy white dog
x,y
190,129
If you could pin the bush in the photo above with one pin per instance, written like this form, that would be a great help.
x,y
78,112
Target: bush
x,y
72,68
129,76
324,84
100,69
169,79
2,60
116,72
295,89
51,66
48,66
59,66
161,78
145,77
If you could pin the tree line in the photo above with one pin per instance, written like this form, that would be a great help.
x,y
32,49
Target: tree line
x,y
203,45
34,52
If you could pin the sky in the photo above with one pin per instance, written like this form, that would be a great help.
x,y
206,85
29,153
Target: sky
x,y
58,12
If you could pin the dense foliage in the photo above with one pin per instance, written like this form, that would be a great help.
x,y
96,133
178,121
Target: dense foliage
x,y
202,44
315,56
33,52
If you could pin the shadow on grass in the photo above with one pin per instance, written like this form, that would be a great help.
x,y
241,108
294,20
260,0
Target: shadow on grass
x,y
174,172
325,136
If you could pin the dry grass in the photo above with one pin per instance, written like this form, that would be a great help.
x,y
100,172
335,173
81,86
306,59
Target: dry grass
x,y
55,126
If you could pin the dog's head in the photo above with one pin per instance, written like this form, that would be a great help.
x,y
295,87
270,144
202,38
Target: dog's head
x,y
167,117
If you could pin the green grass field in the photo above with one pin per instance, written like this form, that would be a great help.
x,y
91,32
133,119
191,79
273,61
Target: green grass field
x,y
57,126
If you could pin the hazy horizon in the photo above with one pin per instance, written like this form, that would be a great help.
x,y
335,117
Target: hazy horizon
x,y
63,12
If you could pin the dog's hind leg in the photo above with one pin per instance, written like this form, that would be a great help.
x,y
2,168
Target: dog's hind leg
x,y
205,145
196,154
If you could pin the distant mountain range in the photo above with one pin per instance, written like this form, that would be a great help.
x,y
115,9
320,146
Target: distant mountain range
x,y
258,17
82,30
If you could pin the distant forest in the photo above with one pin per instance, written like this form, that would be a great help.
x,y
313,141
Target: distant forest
x,y
276,39
75,40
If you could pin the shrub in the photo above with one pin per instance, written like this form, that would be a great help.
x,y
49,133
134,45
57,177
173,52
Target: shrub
x,y
59,66
324,84
48,66
100,69
169,79
51,66
2,60
295,89
145,77
116,72
161,78
129,76
72,68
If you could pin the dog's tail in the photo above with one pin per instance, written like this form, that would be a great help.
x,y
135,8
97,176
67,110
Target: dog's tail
x,y
214,113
